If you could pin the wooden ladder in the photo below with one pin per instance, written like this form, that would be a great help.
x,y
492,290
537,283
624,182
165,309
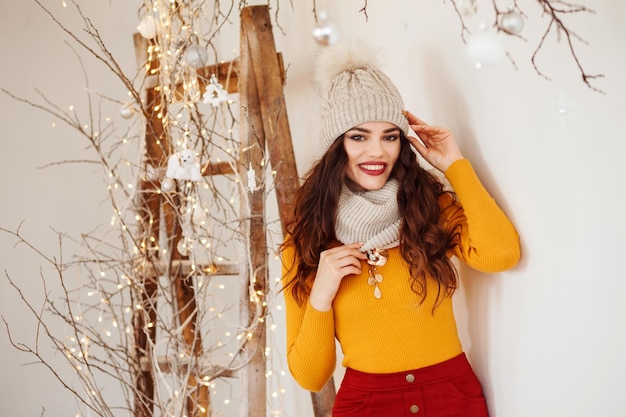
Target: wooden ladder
x,y
264,126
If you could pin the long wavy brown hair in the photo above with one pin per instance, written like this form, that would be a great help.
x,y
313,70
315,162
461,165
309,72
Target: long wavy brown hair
x,y
424,243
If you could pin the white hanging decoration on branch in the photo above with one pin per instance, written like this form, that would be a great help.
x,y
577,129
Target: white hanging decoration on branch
x,y
196,56
147,27
325,32
251,179
467,7
512,22
485,49
184,165
168,185
184,246
127,111
215,93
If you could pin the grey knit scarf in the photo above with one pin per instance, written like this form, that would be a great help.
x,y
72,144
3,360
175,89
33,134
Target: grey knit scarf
x,y
369,216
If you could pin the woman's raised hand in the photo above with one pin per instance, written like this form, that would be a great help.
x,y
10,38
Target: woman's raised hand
x,y
334,265
436,144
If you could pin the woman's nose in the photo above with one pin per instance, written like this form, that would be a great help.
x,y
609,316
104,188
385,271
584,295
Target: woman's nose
x,y
375,147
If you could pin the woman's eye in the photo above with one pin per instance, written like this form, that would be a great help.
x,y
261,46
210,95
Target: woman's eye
x,y
357,137
391,138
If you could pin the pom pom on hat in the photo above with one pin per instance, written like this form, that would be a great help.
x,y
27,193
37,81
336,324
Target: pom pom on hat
x,y
354,90
343,56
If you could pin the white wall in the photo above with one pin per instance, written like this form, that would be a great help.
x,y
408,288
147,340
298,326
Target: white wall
x,y
546,338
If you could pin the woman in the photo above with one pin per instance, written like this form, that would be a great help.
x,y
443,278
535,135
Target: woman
x,y
368,258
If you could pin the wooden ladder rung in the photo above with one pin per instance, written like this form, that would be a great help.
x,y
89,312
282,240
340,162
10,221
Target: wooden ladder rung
x,y
217,268
217,168
182,364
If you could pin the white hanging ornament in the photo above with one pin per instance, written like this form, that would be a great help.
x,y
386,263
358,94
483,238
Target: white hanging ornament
x,y
512,22
214,93
467,7
196,56
485,49
168,185
127,111
184,247
325,32
147,27
184,165
151,173
251,179
199,215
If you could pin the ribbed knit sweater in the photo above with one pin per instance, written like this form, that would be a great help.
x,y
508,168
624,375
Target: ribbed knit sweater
x,y
396,333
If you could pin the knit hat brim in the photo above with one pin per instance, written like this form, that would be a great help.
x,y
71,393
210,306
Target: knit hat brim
x,y
355,111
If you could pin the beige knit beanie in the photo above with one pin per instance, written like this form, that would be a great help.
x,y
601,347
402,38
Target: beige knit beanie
x,y
354,90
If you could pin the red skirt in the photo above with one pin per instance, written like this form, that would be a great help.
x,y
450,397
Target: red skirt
x,y
447,389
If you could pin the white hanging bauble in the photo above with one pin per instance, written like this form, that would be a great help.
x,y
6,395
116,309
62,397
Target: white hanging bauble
x,y
512,22
199,216
168,185
184,247
325,32
127,111
485,49
147,27
467,7
196,56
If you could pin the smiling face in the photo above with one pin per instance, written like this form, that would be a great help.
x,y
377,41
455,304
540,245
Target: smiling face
x,y
373,149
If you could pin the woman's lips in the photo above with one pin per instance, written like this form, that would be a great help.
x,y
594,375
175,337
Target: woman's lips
x,y
372,168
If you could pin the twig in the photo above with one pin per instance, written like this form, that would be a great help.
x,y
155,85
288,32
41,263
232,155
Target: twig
x,y
364,10
556,21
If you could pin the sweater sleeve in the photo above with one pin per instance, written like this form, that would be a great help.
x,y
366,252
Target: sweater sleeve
x,y
486,239
311,349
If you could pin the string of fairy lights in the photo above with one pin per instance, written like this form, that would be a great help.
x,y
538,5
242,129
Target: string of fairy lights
x,y
113,292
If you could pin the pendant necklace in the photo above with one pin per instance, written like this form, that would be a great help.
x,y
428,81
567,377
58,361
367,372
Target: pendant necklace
x,y
376,258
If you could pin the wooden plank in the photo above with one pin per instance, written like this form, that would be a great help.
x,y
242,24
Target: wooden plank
x,y
217,168
253,139
268,73
183,267
226,73
168,364
156,139
141,49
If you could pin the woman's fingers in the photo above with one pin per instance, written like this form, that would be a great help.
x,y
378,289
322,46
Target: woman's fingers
x,y
334,265
344,260
413,119
351,249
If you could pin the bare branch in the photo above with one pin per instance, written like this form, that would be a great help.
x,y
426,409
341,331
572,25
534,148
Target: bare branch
x,y
364,10
551,8
555,11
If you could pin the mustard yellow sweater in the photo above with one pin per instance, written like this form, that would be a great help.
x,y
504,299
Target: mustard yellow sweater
x,y
396,333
